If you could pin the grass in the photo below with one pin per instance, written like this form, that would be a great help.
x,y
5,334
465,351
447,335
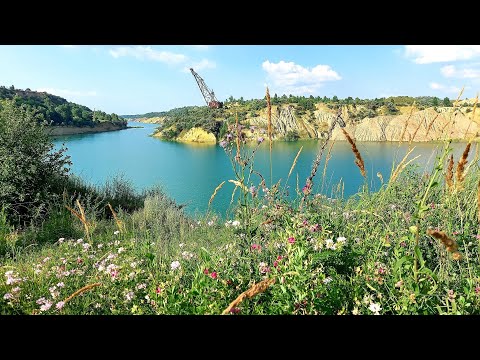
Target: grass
x,y
412,247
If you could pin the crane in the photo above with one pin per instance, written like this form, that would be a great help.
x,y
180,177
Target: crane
x,y
208,94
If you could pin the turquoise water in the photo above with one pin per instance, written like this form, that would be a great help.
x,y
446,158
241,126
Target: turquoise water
x,y
190,173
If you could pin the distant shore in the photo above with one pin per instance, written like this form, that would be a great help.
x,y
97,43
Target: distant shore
x,y
72,130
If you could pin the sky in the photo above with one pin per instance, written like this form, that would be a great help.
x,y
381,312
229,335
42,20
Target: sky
x,y
136,79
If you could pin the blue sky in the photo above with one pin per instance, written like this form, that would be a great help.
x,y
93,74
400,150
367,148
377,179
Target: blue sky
x,y
135,79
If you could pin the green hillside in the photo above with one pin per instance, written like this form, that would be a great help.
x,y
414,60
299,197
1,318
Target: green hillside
x,y
55,110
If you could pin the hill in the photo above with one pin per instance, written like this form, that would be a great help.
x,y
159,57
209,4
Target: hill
x,y
57,111
309,118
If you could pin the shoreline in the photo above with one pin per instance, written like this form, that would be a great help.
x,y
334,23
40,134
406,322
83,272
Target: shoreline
x,y
74,130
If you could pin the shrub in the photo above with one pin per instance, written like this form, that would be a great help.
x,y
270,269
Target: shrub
x,y
29,168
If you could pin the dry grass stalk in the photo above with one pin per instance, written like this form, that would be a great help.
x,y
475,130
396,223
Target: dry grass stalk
x,y
270,132
449,243
478,201
415,132
449,173
120,224
380,176
215,192
458,98
233,194
358,157
81,217
327,158
239,184
79,291
293,165
430,125
406,124
461,165
237,140
402,165
474,161
254,290
473,117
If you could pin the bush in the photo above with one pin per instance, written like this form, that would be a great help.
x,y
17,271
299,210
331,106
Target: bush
x,y
29,168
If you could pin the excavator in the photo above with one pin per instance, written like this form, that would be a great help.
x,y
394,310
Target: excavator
x,y
208,94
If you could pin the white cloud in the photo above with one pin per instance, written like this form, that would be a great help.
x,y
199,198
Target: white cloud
x,y
445,88
465,73
146,52
201,65
426,54
295,79
66,92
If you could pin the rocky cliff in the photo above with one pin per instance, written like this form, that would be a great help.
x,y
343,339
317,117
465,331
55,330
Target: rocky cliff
x,y
71,130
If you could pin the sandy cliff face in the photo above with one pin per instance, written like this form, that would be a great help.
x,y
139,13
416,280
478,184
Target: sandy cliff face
x,y
152,120
425,125
197,135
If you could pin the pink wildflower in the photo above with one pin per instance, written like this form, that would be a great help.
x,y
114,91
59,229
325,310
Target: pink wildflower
x,y
291,240
213,275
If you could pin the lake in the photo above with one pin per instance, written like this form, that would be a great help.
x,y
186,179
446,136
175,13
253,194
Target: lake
x,y
190,173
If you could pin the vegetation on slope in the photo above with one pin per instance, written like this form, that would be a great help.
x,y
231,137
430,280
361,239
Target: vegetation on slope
x,y
55,110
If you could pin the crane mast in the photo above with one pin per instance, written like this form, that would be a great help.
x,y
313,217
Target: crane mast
x,y
208,94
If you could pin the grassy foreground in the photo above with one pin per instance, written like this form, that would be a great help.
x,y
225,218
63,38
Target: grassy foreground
x,y
410,248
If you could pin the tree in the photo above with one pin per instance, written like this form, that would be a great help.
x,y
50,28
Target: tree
x,y
30,170
447,102
435,101
334,98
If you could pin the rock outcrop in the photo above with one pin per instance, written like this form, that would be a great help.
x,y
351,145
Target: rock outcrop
x,y
72,130
197,135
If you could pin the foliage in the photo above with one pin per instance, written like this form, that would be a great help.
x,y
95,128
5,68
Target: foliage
x,y
55,110
29,168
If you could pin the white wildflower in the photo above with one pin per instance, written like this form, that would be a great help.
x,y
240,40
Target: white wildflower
x,y
61,240
235,223
210,223
327,280
181,245
116,232
8,296
175,265
375,308
130,295
329,244
46,305
341,240
120,250
60,305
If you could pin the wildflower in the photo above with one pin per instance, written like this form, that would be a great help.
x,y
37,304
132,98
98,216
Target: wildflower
x,y
235,223
229,136
399,284
116,243
181,245
120,250
79,260
263,268
477,290
375,308
327,280
15,290
307,188
256,247
158,290
213,275
206,271
61,240
234,310
175,265
260,140
116,232
114,274
210,223
60,305
133,264
341,240
228,223
8,296
79,241
46,305
355,311
187,255
330,245
253,190
291,240
130,295
99,246
223,143
314,228
141,286
403,244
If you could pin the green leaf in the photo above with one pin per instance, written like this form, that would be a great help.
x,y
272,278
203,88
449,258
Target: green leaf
x,y
419,256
